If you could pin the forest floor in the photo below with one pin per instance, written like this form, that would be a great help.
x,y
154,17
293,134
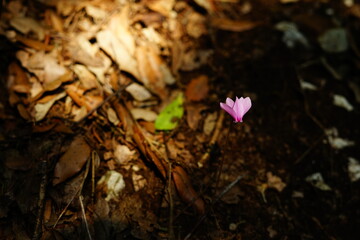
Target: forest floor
x,y
110,124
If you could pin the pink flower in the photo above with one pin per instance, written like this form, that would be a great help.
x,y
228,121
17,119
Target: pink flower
x,y
238,108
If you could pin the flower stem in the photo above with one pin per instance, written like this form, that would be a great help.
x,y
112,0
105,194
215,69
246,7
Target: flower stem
x,y
222,157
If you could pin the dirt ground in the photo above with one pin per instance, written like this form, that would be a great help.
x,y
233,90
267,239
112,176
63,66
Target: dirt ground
x,y
290,170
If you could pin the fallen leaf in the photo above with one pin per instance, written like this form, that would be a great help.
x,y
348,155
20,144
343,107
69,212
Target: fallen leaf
x,y
341,101
72,161
198,88
138,92
185,190
145,114
196,25
193,115
275,182
112,183
87,79
354,169
112,116
26,25
52,69
123,154
334,40
42,108
317,181
208,5
194,59
171,114
209,123
335,141
56,21
138,180
37,45
154,72
291,34
161,6
119,26
232,25
118,52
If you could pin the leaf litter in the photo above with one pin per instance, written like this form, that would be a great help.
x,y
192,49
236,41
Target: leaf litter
x,y
93,83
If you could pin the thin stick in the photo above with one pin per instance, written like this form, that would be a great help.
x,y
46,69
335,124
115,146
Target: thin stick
x,y
202,218
105,101
205,157
42,192
222,159
73,197
84,216
169,190
94,156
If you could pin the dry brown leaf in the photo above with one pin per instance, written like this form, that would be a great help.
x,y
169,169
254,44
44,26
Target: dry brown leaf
x,y
43,106
87,79
196,26
55,20
119,26
37,45
52,69
209,123
44,66
194,59
26,25
161,6
198,88
233,25
139,181
78,113
38,90
18,80
96,13
111,114
78,54
153,71
275,182
209,5
72,160
145,114
193,115
23,112
123,154
185,189
118,52
138,92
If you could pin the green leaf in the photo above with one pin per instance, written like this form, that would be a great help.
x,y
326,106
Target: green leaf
x,y
170,116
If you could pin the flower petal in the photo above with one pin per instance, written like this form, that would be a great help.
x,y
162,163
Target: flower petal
x,y
230,102
228,109
247,104
241,106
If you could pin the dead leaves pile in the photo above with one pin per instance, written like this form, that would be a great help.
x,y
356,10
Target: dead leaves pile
x,y
73,55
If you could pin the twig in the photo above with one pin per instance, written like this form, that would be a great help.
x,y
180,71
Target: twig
x,y
306,105
42,192
84,216
105,101
309,149
216,133
169,188
328,67
94,156
77,192
202,218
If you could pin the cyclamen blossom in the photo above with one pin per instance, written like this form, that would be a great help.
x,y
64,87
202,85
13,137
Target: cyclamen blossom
x,y
238,108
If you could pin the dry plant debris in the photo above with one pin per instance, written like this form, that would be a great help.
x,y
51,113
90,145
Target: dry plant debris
x,y
110,126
